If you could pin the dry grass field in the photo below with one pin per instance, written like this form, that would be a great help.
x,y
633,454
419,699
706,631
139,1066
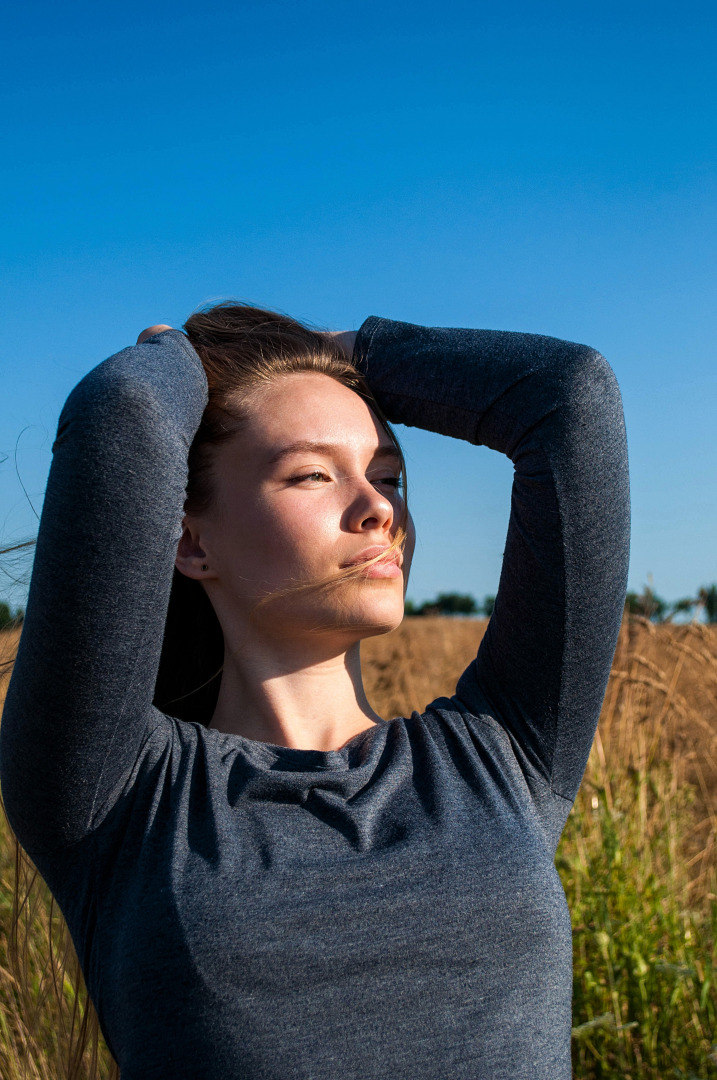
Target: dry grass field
x,y
637,860
662,694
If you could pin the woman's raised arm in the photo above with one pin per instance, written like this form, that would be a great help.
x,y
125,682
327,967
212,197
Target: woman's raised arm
x,y
554,408
80,696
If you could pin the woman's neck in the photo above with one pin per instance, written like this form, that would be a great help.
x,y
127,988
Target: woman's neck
x,y
316,703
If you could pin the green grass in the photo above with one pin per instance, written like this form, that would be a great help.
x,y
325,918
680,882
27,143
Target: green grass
x,y
637,863
644,994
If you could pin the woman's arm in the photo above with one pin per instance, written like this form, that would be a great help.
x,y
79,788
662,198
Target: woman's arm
x,y
81,692
554,408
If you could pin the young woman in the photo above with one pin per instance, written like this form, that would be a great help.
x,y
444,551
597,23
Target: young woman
x,y
262,877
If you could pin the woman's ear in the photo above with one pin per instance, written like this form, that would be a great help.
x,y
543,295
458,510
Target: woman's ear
x,y
192,560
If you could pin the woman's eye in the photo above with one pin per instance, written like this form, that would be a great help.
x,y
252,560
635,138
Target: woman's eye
x,y
396,482
316,475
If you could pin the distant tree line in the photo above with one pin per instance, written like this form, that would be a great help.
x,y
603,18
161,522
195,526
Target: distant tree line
x,y
654,607
647,603
452,604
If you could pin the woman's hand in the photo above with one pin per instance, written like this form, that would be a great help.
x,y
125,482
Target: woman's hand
x,y
150,331
345,339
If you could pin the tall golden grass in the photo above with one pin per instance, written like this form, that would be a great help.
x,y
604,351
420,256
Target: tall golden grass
x,y
637,860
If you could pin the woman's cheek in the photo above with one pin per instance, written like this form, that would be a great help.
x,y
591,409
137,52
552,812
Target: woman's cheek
x,y
289,543
295,532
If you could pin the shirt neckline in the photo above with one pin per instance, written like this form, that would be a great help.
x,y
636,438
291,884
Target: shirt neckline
x,y
294,759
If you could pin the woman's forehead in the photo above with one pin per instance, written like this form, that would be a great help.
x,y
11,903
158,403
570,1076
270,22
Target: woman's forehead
x,y
308,409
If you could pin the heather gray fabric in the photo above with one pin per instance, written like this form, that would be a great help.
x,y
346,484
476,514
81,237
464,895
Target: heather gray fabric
x,y
387,911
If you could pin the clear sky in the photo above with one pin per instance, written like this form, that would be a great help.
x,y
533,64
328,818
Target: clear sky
x,y
547,167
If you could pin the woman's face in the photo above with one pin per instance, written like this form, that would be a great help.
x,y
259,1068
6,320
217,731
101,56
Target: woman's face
x,y
309,486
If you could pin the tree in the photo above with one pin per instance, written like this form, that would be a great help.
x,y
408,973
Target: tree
x,y
707,599
647,603
456,604
682,607
9,618
444,604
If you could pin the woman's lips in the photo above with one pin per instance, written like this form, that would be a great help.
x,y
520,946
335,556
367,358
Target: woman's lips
x,y
389,567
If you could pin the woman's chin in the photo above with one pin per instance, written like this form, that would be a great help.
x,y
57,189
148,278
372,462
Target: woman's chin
x,y
376,614
351,622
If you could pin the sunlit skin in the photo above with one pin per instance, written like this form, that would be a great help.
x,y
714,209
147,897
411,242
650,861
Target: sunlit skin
x,y
308,485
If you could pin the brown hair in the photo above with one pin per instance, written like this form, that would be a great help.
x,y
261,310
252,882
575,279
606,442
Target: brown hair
x,y
241,348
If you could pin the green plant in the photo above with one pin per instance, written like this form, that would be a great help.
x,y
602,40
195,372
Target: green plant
x,y
644,997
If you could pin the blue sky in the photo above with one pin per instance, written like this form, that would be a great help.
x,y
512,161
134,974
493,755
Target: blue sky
x,y
545,167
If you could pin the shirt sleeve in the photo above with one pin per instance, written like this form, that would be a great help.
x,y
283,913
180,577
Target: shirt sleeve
x,y
554,408
80,697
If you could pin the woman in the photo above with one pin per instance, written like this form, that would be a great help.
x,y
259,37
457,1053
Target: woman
x,y
280,883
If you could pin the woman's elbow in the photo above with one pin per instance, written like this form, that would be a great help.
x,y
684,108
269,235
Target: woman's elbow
x,y
590,386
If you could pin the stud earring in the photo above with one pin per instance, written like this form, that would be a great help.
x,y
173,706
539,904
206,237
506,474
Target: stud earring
x,y
204,566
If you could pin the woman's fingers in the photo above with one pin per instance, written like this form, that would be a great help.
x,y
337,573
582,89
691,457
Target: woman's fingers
x,y
150,331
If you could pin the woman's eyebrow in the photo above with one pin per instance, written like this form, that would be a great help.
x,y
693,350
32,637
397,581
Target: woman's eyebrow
x,y
308,446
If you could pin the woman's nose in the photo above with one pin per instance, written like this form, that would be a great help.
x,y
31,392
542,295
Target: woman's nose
x,y
370,509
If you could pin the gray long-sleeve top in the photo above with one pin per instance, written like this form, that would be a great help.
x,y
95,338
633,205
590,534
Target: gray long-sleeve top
x,y
386,911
